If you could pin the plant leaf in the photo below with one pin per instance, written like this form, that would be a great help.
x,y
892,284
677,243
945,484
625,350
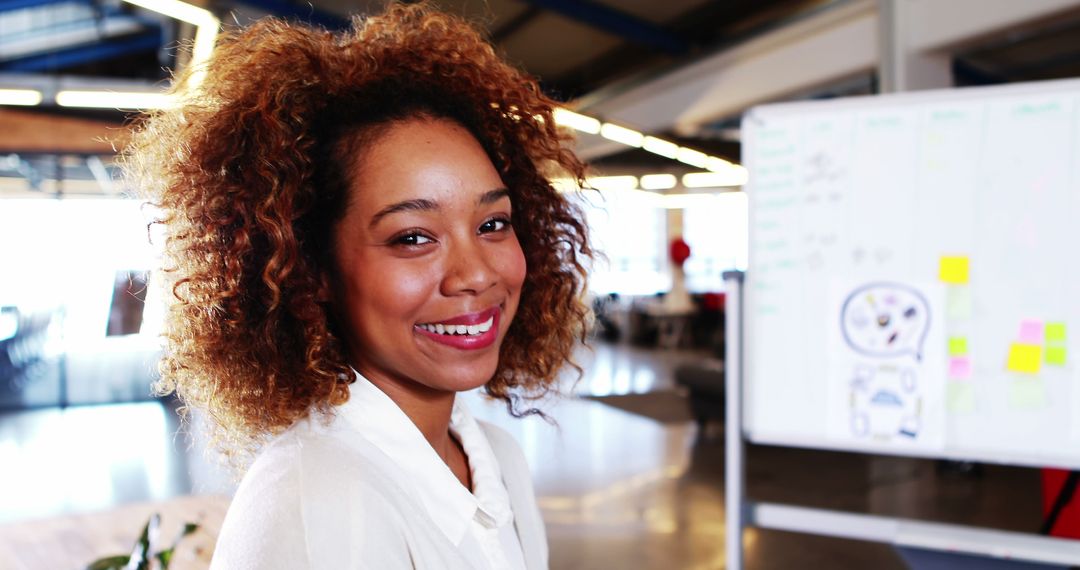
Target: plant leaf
x,y
109,563
140,554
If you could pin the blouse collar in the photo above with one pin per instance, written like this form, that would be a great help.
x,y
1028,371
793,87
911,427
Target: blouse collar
x,y
380,421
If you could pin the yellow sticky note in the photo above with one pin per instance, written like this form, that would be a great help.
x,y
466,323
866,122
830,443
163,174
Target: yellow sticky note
x,y
1027,394
1026,358
961,397
954,269
1055,332
958,346
1055,355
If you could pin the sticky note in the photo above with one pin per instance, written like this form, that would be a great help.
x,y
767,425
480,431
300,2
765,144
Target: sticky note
x,y
954,269
1055,332
1031,331
961,397
1024,358
958,346
1027,394
960,368
958,303
1055,355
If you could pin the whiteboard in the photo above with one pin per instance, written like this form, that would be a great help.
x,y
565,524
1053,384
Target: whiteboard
x,y
913,286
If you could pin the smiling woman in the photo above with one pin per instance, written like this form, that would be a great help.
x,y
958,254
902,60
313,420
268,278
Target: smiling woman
x,y
359,227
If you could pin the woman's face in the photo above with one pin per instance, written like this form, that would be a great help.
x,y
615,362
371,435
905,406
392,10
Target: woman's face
x,y
428,268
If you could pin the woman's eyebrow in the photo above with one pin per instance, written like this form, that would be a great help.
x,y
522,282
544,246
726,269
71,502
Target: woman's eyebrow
x,y
492,196
405,206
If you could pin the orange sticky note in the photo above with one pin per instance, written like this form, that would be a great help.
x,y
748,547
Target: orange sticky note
x,y
954,269
1024,358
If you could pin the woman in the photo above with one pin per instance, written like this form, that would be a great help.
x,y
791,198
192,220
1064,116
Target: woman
x,y
359,227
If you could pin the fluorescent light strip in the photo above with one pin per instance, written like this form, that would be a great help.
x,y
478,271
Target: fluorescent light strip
x,y
662,147
21,97
113,100
658,181
655,145
628,137
206,29
566,118
692,157
613,183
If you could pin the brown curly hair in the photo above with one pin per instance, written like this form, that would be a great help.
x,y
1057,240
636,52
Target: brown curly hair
x,y
249,172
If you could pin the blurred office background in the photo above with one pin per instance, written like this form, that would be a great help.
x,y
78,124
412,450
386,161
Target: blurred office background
x,y
632,475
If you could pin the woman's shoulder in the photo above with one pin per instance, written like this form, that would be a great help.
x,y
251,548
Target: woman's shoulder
x,y
311,496
503,445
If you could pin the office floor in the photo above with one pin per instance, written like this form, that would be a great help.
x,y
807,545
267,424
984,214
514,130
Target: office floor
x,y
618,490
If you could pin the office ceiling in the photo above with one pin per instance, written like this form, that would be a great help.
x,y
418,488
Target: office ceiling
x,y
577,48
573,46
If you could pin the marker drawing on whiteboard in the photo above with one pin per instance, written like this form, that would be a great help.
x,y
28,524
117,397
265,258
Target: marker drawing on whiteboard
x,y
886,325
885,320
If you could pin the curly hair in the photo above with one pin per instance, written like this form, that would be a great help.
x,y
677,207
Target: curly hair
x,y
249,171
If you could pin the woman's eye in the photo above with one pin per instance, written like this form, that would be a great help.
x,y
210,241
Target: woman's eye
x,y
414,238
495,225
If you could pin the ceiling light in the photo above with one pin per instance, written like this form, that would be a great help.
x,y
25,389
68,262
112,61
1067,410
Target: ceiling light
x,y
658,181
660,146
206,29
114,100
25,97
613,183
628,137
714,179
692,157
717,164
566,118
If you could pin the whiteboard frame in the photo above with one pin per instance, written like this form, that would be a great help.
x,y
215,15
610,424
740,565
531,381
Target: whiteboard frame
x,y
855,104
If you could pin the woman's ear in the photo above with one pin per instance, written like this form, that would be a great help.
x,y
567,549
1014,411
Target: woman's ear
x,y
325,293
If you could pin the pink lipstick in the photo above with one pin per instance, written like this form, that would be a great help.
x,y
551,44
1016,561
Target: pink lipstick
x,y
470,331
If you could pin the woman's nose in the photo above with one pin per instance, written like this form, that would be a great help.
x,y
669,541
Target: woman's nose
x,y
469,269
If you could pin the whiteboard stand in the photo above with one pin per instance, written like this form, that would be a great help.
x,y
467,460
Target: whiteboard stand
x,y
740,512
734,470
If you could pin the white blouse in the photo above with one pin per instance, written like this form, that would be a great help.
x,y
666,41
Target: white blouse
x,y
367,491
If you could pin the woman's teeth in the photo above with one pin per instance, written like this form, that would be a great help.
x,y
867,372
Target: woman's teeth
x,y
439,328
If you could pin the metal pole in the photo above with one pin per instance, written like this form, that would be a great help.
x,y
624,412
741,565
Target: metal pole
x,y
734,488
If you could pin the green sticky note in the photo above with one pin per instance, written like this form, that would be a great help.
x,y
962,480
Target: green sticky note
x,y
1027,394
1055,332
1055,355
958,346
958,302
961,397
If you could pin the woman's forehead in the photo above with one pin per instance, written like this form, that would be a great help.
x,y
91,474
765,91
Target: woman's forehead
x,y
430,163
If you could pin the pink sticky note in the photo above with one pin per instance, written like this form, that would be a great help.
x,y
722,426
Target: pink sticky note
x,y
960,367
1031,331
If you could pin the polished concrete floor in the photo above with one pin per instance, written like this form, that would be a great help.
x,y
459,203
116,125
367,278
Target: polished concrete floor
x,y
617,489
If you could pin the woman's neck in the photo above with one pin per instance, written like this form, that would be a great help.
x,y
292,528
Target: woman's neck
x,y
430,411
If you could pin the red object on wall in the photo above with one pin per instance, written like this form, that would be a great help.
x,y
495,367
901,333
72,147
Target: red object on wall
x,y
680,251
1068,522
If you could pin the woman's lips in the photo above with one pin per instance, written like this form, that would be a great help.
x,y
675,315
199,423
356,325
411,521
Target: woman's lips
x,y
474,336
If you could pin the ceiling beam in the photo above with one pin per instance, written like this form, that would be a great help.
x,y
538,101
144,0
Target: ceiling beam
x,y
516,23
303,12
149,40
615,22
